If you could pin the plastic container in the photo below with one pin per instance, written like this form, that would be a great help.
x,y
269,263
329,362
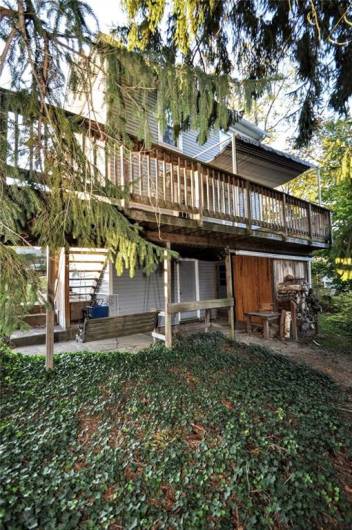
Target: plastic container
x,y
98,311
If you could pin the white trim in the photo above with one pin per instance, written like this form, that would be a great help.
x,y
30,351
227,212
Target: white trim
x,y
178,147
111,278
178,292
227,139
158,336
309,273
268,255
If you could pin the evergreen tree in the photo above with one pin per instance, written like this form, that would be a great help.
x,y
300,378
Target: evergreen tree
x,y
252,38
62,197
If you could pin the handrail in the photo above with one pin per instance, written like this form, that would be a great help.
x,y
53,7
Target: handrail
x,y
215,303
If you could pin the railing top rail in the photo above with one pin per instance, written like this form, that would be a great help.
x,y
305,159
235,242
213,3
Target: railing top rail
x,y
99,128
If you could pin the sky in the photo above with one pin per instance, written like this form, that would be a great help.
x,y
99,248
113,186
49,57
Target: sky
x,y
108,12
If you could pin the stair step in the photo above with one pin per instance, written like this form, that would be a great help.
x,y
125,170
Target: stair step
x,y
82,287
88,261
81,250
86,270
82,298
84,279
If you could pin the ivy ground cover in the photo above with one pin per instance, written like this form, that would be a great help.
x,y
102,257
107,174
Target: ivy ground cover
x,y
209,435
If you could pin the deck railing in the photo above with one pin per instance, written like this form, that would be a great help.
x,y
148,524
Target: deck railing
x,y
161,178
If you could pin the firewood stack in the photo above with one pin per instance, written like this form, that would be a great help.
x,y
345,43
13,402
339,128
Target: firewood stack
x,y
299,308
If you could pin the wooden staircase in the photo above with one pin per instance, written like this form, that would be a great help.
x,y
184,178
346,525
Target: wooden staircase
x,y
86,272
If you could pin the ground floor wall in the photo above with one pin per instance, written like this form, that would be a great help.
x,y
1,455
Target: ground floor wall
x,y
191,280
256,277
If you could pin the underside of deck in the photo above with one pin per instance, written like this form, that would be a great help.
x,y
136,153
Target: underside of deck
x,y
190,237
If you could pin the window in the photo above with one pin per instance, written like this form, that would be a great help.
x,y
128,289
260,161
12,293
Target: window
x,y
168,137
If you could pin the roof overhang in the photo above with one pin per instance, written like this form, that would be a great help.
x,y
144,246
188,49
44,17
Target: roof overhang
x,y
261,163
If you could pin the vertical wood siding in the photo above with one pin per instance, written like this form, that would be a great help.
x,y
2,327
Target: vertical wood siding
x,y
253,284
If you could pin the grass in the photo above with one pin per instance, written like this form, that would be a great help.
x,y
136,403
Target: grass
x,y
333,336
209,435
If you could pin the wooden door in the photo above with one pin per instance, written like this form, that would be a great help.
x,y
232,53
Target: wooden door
x,y
253,284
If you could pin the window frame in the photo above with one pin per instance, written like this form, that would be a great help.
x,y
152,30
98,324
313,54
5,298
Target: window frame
x,y
178,147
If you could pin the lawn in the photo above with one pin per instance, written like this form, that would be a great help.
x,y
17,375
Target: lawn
x,y
333,336
209,435
335,323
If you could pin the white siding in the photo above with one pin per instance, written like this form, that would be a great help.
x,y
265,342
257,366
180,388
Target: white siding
x,y
139,294
103,290
191,147
145,293
207,280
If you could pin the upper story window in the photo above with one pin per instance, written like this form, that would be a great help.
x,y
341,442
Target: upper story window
x,y
168,137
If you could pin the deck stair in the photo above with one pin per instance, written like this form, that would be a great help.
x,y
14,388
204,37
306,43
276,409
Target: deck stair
x,y
86,273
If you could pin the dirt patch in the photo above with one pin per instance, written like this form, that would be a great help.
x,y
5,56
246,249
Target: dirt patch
x,y
227,404
89,426
115,526
196,436
133,473
337,366
109,494
185,374
343,465
166,500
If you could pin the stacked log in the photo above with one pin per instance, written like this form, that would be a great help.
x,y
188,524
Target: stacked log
x,y
300,305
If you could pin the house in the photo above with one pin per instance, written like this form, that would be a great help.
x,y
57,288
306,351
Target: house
x,y
217,205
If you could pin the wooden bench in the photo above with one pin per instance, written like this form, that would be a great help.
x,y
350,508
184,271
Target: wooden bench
x,y
114,327
266,316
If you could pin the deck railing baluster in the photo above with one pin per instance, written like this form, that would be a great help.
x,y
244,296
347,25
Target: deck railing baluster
x,y
185,191
178,182
207,190
140,176
157,177
164,176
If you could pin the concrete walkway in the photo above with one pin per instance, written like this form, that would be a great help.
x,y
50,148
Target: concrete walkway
x,y
338,367
133,343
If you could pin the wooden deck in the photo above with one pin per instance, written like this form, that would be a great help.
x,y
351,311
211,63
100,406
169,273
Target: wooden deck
x,y
170,184
183,192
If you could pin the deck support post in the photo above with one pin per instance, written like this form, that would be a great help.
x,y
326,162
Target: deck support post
x,y
62,295
67,290
229,291
51,272
167,296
